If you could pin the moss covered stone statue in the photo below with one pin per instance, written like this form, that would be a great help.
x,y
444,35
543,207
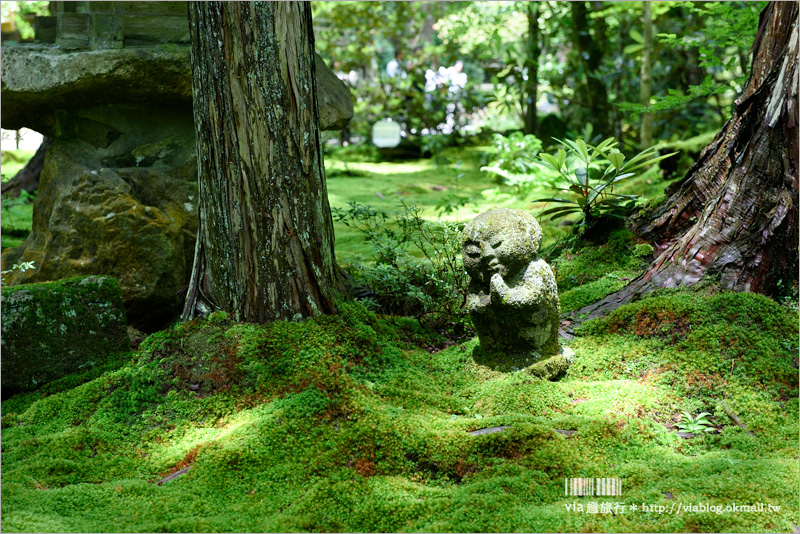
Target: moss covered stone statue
x,y
513,298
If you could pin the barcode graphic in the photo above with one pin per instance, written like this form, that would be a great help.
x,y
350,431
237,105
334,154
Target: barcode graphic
x,y
590,487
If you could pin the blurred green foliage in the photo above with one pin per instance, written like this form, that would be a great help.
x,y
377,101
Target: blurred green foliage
x,y
21,13
702,58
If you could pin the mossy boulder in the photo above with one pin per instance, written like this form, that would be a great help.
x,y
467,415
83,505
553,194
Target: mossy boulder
x,y
126,210
53,329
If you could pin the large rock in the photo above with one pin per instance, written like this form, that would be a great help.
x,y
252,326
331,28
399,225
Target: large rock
x,y
39,83
118,200
513,298
118,190
50,330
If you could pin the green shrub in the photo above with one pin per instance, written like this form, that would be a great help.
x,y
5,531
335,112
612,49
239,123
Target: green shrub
x,y
417,267
364,152
589,174
513,154
512,160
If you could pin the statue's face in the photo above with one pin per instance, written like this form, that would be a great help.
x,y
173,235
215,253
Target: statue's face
x,y
495,250
501,241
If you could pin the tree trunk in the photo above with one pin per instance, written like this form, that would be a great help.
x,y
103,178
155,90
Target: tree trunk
x,y
28,177
734,215
265,240
532,66
645,87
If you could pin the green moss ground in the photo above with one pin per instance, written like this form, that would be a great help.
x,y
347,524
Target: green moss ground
x,y
346,424
586,272
343,424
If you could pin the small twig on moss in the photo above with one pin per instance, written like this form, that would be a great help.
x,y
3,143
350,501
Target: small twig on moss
x,y
176,474
490,430
735,419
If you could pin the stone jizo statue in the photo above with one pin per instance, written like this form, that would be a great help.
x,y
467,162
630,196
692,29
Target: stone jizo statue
x,y
513,298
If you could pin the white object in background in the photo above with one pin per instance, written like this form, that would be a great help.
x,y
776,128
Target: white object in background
x,y
386,134
28,139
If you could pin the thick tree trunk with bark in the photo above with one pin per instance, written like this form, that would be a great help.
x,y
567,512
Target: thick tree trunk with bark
x,y
734,215
27,178
265,241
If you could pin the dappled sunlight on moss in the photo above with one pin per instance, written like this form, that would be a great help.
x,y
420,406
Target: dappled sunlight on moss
x,y
344,424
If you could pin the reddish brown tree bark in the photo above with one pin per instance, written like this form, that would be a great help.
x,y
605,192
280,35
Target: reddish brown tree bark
x,y
265,240
734,215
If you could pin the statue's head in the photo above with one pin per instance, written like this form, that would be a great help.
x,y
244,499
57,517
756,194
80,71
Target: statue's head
x,y
500,241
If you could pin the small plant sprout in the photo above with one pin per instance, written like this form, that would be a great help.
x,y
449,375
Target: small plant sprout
x,y
696,425
590,173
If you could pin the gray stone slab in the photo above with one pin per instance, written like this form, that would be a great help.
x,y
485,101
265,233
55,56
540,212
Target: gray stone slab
x,y
490,430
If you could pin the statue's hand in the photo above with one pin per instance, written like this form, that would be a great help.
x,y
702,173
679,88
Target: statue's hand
x,y
497,287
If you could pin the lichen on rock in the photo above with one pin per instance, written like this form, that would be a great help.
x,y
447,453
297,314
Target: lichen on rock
x,y
513,298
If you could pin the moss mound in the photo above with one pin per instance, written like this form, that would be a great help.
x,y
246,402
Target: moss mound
x,y
715,350
336,424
